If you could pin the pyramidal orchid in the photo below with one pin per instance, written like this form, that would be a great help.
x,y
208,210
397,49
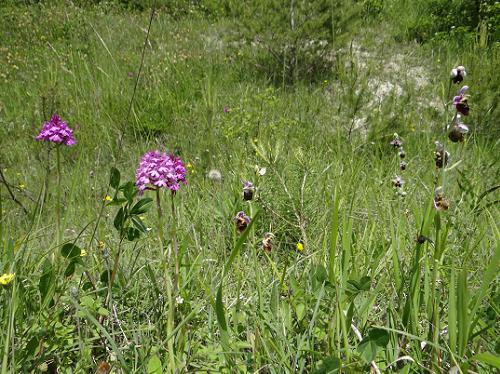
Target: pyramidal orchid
x,y
159,170
58,132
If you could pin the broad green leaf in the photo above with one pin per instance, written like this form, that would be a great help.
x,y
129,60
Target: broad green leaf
x,y
488,358
142,206
103,311
70,269
154,365
70,251
300,309
329,365
129,191
119,219
114,178
139,225
116,201
133,234
372,343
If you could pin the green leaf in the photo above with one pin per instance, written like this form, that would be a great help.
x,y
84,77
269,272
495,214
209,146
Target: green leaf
x,y
129,191
488,358
372,343
365,283
70,251
87,301
219,310
142,206
154,365
47,285
133,234
223,330
116,202
329,365
104,277
139,225
320,274
114,178
103,311
300,310
119,219
70,269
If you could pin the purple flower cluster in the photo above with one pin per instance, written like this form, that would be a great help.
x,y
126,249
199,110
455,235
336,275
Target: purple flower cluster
x,y
158,170
56,131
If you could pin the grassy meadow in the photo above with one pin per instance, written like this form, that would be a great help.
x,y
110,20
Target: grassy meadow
x,y
343,267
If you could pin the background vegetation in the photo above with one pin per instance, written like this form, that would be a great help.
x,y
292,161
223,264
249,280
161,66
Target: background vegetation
x,y
301,98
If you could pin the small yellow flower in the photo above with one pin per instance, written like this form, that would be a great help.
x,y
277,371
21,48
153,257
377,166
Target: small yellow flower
x,y
189,165
5,279
300,246
22,186
108,198
101,244
83,253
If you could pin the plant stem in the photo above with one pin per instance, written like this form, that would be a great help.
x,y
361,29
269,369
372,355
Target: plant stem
x,y
115,270
58,200
171,312
175,246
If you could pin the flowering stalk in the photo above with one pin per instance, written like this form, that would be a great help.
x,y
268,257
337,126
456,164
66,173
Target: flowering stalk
x,y
157,170
171,306
58,199
175,246
57,131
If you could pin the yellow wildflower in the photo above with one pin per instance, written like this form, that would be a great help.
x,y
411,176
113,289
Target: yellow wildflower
x,y
189,165
5,279
300,246
101,244
22,186
83,253
108,198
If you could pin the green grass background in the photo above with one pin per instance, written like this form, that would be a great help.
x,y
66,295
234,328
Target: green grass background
x,y
428,307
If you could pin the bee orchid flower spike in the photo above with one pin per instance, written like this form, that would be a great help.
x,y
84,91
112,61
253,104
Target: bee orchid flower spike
x,y
458,74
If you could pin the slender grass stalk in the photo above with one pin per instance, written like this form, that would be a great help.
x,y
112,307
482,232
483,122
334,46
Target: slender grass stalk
x,y
1,216
170,299
10,330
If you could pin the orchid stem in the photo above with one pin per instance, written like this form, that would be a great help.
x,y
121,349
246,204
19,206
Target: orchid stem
x,y
171,306
58,199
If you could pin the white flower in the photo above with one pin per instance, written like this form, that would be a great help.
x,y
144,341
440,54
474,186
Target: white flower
x,y
215,175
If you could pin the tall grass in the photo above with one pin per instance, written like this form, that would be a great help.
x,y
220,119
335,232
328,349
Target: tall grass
x,y
363,295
